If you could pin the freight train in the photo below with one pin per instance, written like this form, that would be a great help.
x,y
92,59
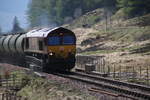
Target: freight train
x,y
41,49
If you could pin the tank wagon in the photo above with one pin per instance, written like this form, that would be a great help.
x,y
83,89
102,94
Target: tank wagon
x,y
11,49
41,49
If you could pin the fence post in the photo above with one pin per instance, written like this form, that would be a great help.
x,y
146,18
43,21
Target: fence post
x,y
10,96
104,66
0,80
114,76
126,72
6,96
147,75
120,71
108,70
13,80
140,72
7,84
19,97
98,66
3,95
15,96
133,74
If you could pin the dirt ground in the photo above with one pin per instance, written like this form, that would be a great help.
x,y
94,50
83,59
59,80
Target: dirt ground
x,y
115,52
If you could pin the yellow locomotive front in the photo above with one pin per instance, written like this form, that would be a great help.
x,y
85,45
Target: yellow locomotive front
x,y
61,47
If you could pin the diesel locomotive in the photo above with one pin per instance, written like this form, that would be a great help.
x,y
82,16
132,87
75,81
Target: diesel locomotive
x,y
41,49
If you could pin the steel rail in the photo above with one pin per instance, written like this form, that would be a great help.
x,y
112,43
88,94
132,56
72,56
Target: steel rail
x,y
117,86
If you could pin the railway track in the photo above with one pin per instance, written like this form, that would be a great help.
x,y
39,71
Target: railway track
x,y
113,87
110,86
121,88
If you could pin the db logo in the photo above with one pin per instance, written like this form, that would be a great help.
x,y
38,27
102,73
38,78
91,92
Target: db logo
x,y
61,48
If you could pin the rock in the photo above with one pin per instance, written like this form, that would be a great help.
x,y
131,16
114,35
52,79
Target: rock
x,y
130,60
60,93
123,54
70,90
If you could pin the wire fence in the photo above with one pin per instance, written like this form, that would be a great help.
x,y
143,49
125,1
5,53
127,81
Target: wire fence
x,y
10,84
11,96
133,73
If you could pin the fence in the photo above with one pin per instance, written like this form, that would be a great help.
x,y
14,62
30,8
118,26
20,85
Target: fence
x,y
137,74
11,96
10,83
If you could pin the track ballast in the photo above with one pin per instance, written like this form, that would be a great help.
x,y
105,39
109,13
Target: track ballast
x,y
121,88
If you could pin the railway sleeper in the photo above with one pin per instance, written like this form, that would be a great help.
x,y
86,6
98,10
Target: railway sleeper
x,y
120,83
112,87
128,92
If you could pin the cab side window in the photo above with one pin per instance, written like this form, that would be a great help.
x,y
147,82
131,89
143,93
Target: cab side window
x,y
27,43
40,45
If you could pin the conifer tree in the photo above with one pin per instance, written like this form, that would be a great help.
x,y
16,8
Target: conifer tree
x,y
16,27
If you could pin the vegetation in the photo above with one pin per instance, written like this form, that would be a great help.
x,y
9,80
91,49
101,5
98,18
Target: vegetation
x,y
41,89
57,12
37,88
62,11
129,34
134,7
16,27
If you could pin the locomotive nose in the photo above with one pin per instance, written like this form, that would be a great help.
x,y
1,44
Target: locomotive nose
x,y
61,49
64,52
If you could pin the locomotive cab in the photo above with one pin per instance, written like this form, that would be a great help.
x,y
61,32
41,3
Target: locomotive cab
x,y
61,46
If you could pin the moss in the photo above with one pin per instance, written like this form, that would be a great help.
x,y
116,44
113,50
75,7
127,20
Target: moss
x,y
110,51
138,81
41,89
97,52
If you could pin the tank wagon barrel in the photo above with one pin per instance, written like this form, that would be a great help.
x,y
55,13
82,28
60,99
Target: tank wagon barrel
x,y
12,43
20,43
1,43
5,44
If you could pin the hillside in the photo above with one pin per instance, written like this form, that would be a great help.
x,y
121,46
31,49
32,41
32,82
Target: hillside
x,y
119,40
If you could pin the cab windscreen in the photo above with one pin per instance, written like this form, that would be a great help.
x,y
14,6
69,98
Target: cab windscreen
x,y
54,40
68,40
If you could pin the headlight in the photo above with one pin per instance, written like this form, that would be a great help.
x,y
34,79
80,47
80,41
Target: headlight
x,y
50,53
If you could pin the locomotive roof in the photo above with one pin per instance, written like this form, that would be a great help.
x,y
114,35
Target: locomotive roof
x,y
41,32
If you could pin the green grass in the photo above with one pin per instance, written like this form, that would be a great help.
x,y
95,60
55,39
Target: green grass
x,y
98,52
134,29
42,89
87,20
109,51
127,35
138,81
